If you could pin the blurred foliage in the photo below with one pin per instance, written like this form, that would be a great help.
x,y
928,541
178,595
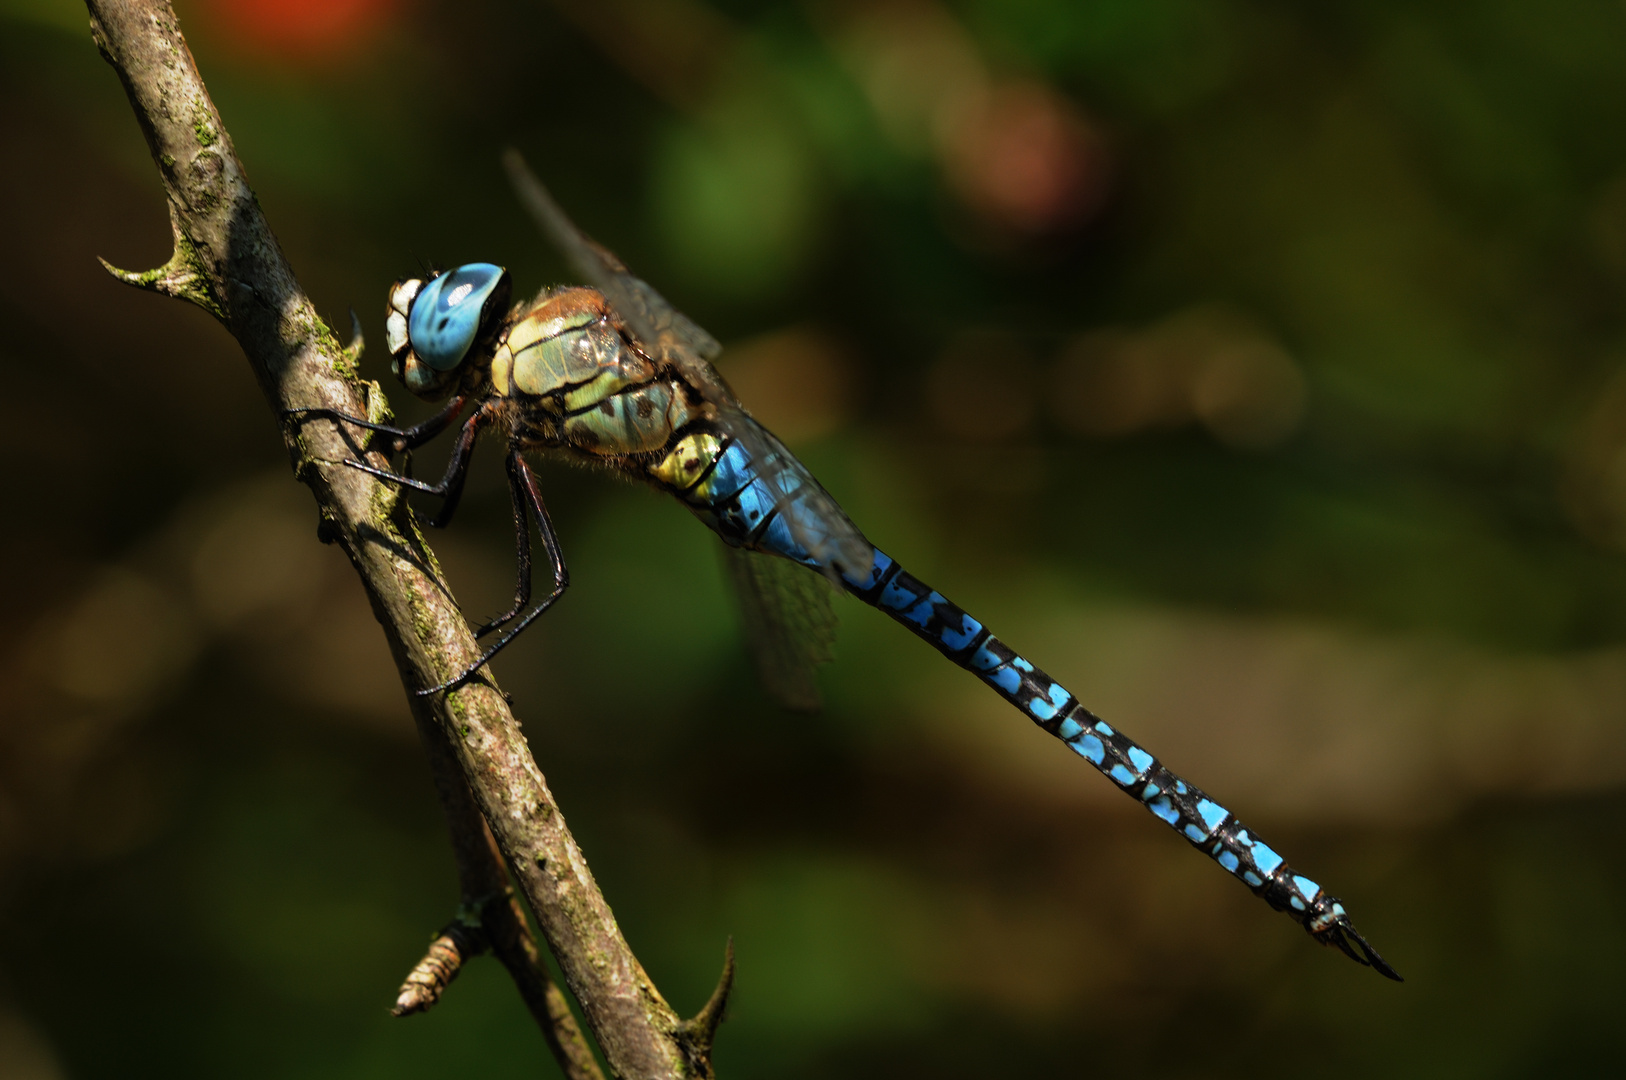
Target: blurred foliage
x,y
1257,367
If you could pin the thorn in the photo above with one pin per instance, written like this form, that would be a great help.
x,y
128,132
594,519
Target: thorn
x,y
699,1032
352,351
151,280
177,278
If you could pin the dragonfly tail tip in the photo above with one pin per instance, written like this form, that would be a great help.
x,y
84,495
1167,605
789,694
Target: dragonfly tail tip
x,y
1357,948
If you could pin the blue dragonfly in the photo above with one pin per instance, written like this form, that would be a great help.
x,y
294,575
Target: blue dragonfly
x,y
612,375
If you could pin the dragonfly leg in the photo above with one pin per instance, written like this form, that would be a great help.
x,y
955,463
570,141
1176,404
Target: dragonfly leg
x,y
561,576
544,524
450,487
522,547
418,434
402,438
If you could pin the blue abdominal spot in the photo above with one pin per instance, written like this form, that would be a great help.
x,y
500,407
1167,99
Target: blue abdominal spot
x,y
1265,859
896,598
777,537
1041,710
1091,748
957,638
877,568
1212,813
1006,679
732,472
985,659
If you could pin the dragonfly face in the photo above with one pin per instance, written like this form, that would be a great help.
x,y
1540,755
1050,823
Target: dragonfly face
x,y
432,327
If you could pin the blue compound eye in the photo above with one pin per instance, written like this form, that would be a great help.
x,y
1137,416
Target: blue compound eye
x,y
446,315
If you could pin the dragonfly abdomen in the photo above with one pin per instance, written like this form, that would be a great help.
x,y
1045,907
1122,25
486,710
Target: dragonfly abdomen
x,y
1184,807
771,503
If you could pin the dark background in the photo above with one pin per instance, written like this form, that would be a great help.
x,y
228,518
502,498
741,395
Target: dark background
x,y
1255,367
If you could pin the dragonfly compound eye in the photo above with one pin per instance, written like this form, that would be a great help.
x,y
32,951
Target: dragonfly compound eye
x,y
450,311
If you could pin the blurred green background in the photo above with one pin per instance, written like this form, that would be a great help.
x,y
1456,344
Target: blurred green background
x,y
1258,368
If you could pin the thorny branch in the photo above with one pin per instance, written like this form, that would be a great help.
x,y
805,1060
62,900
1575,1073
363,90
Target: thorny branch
x,y
228,263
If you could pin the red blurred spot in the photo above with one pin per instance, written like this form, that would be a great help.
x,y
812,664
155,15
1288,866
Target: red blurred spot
x,y
299,29
1028,160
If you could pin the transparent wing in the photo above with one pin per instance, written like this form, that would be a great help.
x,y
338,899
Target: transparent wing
x,y
817,520
790,623
670,335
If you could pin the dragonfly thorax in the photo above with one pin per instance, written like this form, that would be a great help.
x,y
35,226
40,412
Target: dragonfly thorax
x,y
432,327
581,381
566,346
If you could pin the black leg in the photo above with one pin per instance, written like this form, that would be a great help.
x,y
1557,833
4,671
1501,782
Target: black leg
x,y
522,546
561,578
403,438
544,525
450,487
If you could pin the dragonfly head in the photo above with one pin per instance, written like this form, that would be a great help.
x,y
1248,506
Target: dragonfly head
x,y
432,326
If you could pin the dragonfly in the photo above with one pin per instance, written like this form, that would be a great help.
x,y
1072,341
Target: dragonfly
x,y
610,374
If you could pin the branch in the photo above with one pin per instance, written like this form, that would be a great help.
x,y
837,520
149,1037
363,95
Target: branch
x,y
227,262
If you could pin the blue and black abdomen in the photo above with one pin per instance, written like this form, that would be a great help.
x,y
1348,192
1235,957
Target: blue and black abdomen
x,y
1204,823
781,510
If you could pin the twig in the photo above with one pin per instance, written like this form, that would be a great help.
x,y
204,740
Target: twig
x,y
434,973
227,262
489,901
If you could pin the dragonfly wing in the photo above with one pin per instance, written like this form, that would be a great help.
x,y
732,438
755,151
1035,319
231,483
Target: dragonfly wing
x,y
790,623
670,335
817,522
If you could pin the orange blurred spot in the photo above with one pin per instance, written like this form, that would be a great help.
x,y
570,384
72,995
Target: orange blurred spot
x,y
1019,153
299,29
1208,364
